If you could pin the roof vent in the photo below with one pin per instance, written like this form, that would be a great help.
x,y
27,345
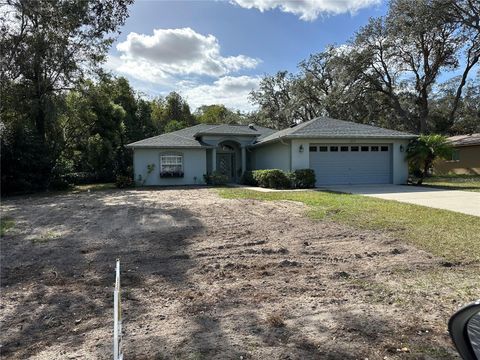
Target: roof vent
x,y
251,126
293,125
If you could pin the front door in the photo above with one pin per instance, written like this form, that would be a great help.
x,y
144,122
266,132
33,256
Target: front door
x,y
225,164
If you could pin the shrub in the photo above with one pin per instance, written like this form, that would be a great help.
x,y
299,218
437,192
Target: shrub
x,y
215,178
247,179
424,150
81,178
123,181
302,178
271,178
59,183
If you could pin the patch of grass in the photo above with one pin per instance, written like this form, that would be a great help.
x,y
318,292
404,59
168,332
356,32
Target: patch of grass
x,y
49,235
448,234
6,224
94,187
454,182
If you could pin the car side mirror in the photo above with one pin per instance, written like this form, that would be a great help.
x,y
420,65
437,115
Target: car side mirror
x,y
464,328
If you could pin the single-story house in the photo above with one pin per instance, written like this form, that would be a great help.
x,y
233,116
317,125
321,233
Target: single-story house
x,y
340,152
465,157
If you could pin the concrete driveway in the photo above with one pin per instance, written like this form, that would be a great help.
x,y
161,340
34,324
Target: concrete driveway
x,y
465,202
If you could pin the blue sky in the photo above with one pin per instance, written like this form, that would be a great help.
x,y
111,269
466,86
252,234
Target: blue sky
x,y
217,51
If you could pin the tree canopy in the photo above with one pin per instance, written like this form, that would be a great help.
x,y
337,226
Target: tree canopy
x,y
391,73
64,120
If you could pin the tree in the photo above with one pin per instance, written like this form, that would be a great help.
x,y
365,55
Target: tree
x,y
47,46
172,107
176,108
174,125
388,74
275,99
94,128
425,44
218,114
466,15
423,151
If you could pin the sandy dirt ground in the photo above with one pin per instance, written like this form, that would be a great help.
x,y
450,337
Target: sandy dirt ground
x,y
210,278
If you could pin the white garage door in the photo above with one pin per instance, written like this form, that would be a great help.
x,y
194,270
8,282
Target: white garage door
x,y
351,164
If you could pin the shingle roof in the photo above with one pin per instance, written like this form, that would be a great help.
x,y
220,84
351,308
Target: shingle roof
x,y
323,127
465,140
186,138
224,129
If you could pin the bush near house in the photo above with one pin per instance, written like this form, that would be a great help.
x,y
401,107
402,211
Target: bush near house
x,y
247,179
278,179
215,178
123,181
302,178
272,178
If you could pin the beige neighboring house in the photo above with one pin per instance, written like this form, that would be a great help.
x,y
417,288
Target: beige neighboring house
x,y
465,158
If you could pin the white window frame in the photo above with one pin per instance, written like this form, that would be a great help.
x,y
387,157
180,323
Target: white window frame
x,y
169,161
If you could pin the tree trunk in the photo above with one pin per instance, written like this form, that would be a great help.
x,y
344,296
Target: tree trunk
x,y
458,93
423,113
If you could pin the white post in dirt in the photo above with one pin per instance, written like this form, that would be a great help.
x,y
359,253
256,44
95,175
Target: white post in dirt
x,y
117,316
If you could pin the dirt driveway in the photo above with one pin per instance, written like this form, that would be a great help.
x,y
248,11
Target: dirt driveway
x,y
210,278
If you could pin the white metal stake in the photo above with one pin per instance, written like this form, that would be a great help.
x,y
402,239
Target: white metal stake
x,y
117,316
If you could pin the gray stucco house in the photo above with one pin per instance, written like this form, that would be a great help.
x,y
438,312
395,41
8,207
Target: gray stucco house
x,y
340,152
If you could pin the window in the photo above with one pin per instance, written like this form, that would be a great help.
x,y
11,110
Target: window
x,y
455,156
384,148
343,148
364,148
374,148
171,165
353,148
313,148
323,148
333,148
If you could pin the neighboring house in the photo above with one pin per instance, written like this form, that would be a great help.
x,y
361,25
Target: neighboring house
x,y
340,152
465,158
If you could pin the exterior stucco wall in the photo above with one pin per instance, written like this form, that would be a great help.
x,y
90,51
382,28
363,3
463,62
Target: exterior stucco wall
x,y
271,156
194,166
301,160
468,162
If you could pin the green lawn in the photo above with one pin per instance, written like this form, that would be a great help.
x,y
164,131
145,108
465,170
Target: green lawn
x,y
454,236
455,182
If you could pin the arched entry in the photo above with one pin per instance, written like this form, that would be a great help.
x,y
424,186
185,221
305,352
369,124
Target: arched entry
x,y
228,160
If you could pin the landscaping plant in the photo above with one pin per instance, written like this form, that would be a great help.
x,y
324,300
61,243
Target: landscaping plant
x,y
215,178
272,178
423,151
302,178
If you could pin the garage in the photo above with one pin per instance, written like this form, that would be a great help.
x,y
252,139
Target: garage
x,y
351,163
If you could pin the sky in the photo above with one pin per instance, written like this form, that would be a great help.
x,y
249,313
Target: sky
x,y
216,52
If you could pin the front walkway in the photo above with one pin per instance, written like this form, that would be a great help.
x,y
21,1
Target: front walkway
x,y
454,200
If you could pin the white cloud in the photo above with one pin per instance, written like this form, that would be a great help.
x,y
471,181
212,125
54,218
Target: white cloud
x,y
172,53
308,10
231,91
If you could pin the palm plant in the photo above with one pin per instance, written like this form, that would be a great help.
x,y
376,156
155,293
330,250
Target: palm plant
x,y
423,151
